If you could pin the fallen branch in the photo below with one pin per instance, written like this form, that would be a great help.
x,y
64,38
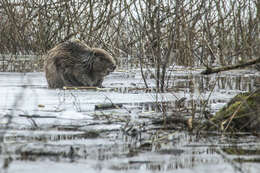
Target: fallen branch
x,y
230,67
85,88
79,87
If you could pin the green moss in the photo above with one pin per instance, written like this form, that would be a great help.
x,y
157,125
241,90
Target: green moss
x,y
246,110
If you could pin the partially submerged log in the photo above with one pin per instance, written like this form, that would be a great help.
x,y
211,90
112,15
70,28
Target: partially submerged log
x,y
242,113
230,67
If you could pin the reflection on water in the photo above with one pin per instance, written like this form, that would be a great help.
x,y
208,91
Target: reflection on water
x,y
202,84
178,151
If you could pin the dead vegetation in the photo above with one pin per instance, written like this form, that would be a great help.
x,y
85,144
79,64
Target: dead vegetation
x,y
155,33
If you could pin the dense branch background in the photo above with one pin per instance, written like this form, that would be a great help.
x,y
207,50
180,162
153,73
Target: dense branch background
x,y
155,32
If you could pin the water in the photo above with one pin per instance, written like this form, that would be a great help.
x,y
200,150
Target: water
x,y
60,131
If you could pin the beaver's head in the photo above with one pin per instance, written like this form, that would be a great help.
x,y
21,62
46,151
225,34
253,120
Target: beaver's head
x,y
103,62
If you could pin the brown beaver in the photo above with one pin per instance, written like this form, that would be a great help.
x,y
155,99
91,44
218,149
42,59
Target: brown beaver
x,y
73,63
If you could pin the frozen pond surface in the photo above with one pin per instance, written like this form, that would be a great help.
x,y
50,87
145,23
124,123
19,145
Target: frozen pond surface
x,y
53,130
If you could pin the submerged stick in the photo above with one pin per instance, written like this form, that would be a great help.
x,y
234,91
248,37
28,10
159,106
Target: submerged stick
x,y
36,116
108,106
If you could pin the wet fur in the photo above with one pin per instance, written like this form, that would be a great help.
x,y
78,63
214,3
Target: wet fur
x,y
73,63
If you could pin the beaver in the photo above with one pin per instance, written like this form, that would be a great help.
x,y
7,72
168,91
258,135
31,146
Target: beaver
x,y
73,63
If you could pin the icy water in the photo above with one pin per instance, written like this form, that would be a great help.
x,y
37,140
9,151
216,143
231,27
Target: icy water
x,y
52,130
